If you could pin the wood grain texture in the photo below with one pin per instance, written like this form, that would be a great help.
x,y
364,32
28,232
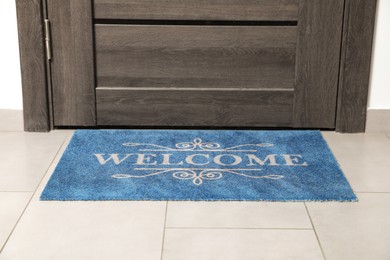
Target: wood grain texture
x,y
201,107
195,56
283,10
73,62
359,25
318,57
33,69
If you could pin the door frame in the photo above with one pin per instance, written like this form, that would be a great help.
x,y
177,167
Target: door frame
x,y
353,82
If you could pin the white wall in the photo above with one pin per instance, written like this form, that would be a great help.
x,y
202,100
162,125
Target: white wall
x,y
10,84
380,74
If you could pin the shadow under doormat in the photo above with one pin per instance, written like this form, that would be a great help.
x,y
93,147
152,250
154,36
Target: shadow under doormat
x,y
198,165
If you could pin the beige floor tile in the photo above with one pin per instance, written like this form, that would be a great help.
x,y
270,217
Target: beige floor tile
x,y
237,215
364,158
88,230
11,120
25,157
238,244
12,205
378,120
354,230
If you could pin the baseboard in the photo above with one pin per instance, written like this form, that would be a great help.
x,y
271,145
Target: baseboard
x,y
378,120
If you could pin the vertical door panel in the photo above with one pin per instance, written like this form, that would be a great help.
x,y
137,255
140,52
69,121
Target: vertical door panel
x,y
318,58
72,62
359,23
32,57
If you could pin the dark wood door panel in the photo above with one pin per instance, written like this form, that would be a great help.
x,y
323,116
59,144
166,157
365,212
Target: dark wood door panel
x,y
318,61
73,76
33,67
264,10
202,107
195,56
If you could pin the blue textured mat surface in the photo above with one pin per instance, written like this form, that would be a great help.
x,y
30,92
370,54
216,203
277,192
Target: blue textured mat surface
x,y
198,165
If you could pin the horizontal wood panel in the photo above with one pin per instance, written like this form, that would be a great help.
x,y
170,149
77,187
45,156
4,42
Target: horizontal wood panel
x,y
283,10
195,56
183,107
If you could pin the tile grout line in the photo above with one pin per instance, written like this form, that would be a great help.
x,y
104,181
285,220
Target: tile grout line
x,y
165,228
33,194
315,232
230,228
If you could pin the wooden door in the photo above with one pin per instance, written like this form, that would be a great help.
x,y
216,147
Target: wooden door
x,y
196,63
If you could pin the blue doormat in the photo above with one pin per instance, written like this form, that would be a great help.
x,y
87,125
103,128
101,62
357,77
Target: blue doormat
x,y
198,165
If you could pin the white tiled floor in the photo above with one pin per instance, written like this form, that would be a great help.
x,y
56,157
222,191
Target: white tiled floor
x,y
237,215
234,244
12,205
364,158
33,229
25,157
